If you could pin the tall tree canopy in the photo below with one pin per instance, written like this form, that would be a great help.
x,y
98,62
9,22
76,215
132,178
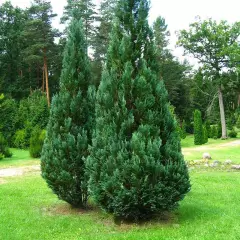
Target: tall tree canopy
x,y
208,41
39,36
83,10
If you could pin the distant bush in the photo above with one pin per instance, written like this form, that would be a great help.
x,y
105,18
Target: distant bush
x,y
8,119
232,134
36,142
238,122
214,132
198,128
20,139
4,150
183,130
205,134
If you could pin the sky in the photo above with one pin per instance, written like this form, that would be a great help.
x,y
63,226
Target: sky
x,y
177,13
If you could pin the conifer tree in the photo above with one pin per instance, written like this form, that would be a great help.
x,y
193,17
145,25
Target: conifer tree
x,y
183,130
69,129
83,10
198,128
205,134
136,166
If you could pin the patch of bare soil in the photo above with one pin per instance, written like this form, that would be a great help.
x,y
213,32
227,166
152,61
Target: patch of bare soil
x,y
65,209
12,172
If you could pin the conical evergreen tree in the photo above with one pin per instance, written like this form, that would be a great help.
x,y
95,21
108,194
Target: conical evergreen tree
x,y
136,165
198,128
71,121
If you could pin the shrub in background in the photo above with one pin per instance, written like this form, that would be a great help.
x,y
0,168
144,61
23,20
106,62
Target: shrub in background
x,y
183,130
205,134
238,122
214,131
232,133
36,142
209,129
4,150
8,118
198,128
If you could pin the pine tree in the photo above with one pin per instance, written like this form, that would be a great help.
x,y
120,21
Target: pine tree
x,y
198,129
136,165
71,121
101,38
39,37
83,10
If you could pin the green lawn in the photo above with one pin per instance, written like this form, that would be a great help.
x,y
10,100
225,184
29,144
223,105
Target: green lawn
x,y
29,210
210,211
219,149
19,158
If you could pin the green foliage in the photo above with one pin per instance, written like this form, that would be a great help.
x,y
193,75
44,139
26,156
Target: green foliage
x,y
4,150
198,128
172,72
20,139
33,110
36,142
205,134
209,41
136,166
214,131
70,124
8,119
238,122
83,10
219,130
232,133
208,128
183,130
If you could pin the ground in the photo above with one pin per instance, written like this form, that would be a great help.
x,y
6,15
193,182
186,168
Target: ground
x,y
29,210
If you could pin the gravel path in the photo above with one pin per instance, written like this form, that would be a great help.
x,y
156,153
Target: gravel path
x,y
11,172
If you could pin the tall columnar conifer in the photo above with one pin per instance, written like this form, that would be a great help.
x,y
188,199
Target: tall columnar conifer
x,y
136,165
71,121
198,128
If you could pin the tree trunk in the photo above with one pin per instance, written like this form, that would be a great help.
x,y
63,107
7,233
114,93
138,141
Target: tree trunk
x,y
46,80
222,113
43,80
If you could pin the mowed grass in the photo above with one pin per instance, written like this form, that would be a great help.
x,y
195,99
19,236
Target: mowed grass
x,y
219,149
19,158
29,210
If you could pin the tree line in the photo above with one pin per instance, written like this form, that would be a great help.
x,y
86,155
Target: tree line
x,y
31,54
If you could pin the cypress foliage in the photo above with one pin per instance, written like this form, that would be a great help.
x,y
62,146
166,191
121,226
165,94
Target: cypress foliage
x,y
205,134
136,165
70,124
198,128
